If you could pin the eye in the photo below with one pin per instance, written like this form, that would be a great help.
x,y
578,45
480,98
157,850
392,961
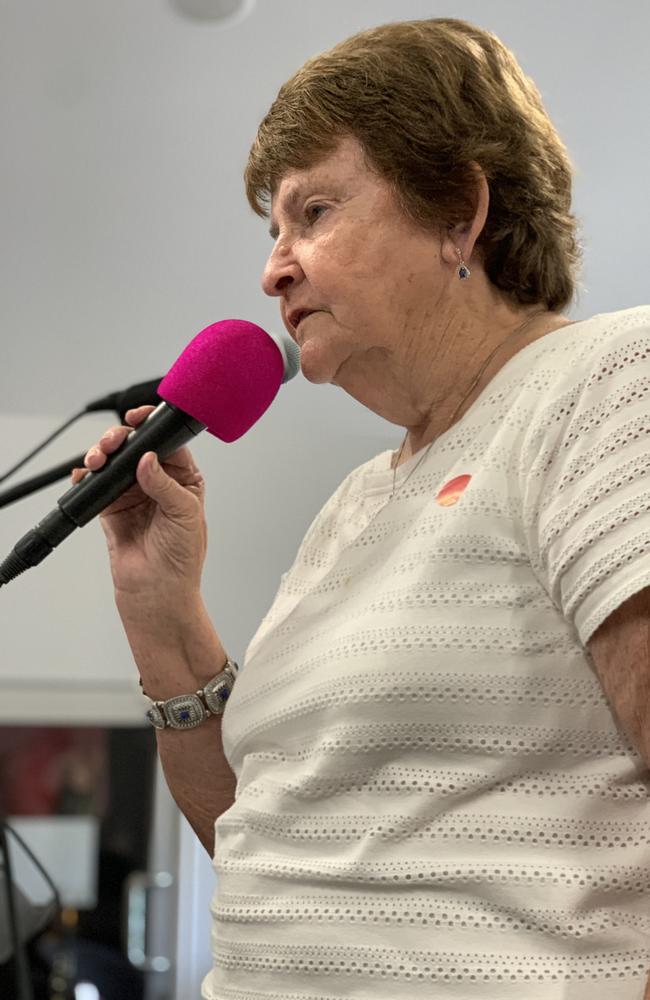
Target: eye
x,y
314,211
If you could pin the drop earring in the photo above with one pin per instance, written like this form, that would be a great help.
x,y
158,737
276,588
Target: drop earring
x,y
463,270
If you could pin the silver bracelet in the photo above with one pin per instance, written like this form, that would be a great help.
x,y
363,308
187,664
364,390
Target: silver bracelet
x,y
186,711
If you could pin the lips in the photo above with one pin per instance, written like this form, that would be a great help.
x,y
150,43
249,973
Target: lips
x,y
296,316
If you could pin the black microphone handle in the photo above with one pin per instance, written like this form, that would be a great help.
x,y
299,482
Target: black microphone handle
x,y
165,429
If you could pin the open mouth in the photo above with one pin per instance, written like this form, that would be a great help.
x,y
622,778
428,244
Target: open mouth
x,y
297,316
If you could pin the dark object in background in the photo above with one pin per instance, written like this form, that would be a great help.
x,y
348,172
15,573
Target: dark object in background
x,y
128,757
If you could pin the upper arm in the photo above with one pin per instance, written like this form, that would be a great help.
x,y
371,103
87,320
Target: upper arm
x,y
620,649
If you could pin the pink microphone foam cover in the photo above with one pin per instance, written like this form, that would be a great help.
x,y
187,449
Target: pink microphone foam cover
x,y
226,377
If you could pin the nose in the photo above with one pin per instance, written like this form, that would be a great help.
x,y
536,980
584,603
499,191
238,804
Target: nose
x,y
282,270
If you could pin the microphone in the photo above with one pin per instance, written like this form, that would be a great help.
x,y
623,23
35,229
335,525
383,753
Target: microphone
x,y
223,382
142,394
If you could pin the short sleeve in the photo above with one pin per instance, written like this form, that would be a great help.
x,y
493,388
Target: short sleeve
x,y
585,469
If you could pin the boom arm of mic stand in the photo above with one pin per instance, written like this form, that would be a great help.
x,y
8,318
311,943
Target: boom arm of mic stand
x,y
40,481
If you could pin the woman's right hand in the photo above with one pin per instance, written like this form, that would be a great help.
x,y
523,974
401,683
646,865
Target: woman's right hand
x,y
156,530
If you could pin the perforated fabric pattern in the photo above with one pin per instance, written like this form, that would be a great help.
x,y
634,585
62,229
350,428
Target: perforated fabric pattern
x,y
434,799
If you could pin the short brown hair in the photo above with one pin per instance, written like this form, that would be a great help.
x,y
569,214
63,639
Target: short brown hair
x,y
425,99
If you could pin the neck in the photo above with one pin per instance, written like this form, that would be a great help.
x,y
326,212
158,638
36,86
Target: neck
x,y
532,324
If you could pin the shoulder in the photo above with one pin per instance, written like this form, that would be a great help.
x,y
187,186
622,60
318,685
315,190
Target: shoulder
x,y
575,349
587,340
583,465
594,363
605,333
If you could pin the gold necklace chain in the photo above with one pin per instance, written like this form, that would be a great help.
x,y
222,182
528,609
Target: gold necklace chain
x,y
520,329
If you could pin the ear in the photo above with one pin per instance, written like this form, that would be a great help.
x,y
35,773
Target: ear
x,y
465,233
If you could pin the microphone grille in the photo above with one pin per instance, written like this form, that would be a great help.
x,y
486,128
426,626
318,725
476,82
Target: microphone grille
x,y
290,354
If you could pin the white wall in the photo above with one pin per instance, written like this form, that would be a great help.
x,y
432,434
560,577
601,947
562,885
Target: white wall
x,y
125,230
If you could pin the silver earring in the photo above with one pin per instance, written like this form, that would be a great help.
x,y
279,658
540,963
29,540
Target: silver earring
x,y
463,270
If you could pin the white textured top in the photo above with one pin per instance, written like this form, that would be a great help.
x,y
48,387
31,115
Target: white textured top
x,y
433,797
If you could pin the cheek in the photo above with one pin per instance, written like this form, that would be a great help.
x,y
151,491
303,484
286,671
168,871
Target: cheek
x,y
360,279
382,265
344,256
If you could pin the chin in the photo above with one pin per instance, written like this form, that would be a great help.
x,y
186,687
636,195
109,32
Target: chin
x,y
315,375
315,364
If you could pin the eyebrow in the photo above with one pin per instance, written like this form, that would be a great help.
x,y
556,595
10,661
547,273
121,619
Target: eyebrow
x,y
290,201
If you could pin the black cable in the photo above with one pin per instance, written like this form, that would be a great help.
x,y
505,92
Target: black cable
x,y
32,857
144,393
42,445
21,966
28,486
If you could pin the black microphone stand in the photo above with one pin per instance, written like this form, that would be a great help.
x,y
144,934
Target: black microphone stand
x,y
144,393
41,480
21,967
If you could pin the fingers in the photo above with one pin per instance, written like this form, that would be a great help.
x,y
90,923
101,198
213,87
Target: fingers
x,y
176,500
110,441
77,475
135,416
180,465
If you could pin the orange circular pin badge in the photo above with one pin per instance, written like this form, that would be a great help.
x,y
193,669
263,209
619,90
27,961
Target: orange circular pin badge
x,y
452,491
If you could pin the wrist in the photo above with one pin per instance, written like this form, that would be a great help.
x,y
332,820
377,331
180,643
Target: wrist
x,y
157,609
175,653
189,710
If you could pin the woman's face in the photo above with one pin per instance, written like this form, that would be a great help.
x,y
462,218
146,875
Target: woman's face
x,y
359,284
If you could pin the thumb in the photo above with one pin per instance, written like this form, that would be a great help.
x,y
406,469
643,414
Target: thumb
x,y
172,498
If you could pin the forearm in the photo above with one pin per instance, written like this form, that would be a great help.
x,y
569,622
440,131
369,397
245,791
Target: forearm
x,y
177,653
198,775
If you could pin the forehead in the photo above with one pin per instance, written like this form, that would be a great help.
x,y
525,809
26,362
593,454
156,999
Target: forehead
x,y
343,166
